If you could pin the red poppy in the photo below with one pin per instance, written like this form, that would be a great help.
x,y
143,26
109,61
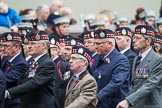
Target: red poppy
x,y
108,60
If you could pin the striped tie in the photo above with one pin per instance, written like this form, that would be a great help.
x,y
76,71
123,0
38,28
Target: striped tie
x,y
138,61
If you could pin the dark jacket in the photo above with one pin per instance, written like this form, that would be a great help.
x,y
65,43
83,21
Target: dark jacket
x,y
13,71
2,89
38,89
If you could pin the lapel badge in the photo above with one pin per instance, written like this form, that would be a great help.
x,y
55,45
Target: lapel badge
x,y
99,76
9,37
107,60
102,34
143,30
124,32
67,75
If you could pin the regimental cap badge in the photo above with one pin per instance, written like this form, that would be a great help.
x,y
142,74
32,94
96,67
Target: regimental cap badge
x,y
26,40
92,34
9,37
102,34
124,32
80,50
37,37
53,41
73,42
143,30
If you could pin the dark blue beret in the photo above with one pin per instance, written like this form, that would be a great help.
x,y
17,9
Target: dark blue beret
x,y
106,33
158,39
74,42
144,30
10,36
41,35
124,31
88,34
82,51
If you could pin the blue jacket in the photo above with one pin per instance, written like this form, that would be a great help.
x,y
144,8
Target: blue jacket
x,y
2,89
17,69
9,19
94,62
112,77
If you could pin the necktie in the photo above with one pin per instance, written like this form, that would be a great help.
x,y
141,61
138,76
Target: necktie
x,y
73,81
138,61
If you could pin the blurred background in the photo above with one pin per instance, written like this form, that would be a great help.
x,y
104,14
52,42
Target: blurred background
x,y
122,7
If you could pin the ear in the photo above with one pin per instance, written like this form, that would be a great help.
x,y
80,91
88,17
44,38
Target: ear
x,y
149,40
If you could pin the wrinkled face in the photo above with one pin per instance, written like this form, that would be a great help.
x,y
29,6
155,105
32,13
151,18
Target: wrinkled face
x,y
76,63
122,42
35,48
3,8
89,43
63,29
139,42
8,49
102,46
68,51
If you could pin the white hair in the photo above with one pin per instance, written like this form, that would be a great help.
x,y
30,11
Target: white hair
x,y
41,7
112,40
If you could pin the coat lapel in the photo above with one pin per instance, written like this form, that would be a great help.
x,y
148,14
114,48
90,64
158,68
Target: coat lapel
x,y
144,64
70,87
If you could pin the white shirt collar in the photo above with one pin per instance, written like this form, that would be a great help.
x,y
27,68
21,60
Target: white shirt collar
x,y
14,57
27,58
55,58
144,54
94,54
77,74
123,51
36,59
108,53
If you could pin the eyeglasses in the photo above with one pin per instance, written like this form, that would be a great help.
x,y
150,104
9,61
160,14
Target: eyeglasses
x,y
100,43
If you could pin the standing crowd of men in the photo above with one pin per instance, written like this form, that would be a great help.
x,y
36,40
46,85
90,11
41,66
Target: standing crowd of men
x,y
100,68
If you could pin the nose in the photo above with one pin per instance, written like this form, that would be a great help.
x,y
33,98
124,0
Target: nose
x,y
70,61
134,40
86,45
96,46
